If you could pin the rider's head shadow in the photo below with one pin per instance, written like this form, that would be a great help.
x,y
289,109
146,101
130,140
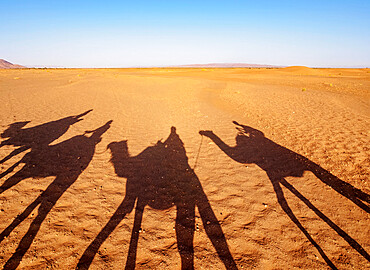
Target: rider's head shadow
x,y
160,177
247,137
13,129
248,131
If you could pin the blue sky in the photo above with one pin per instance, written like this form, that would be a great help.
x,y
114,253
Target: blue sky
x,y
107,33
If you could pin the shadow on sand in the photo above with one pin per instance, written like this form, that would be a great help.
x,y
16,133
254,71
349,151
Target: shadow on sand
x,y
34,137
279,162
161,177
65,160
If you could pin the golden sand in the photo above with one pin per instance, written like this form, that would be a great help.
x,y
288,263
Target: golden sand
x,y
291,193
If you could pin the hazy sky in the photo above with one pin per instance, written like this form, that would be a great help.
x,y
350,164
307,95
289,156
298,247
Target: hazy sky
x,y
73,33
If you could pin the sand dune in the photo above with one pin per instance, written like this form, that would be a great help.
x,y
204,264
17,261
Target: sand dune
x,y
226,65
158,168
297,68
5,64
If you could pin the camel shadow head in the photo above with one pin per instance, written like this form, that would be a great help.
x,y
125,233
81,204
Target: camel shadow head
x,y
97,133
120,157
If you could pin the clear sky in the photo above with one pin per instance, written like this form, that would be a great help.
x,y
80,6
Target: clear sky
x,y
79,33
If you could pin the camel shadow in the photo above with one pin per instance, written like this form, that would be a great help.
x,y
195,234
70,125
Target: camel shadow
x,y
160,177
66,161
279,162
34,137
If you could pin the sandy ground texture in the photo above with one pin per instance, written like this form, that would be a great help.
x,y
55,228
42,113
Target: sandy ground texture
x,y
170,168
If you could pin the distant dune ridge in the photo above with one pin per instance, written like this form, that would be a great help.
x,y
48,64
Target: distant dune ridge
x,y
6,64
227,65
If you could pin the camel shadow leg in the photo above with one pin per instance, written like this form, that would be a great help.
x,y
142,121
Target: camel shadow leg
x,y
131,257
14,179
47,201
356,195
20,218
14,153
214,232
284,205
353,243
185,225
24,245
89,254
10,169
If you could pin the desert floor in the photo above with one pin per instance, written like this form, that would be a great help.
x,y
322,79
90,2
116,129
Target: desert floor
x,y
291,193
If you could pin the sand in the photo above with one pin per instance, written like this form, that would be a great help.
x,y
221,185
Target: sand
x,y
291,193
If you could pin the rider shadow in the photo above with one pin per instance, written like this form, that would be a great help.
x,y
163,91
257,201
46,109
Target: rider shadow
x,y
66,161
34,137
161,177
279,162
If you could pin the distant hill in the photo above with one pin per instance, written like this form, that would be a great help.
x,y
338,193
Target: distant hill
x,y
226,65
6,64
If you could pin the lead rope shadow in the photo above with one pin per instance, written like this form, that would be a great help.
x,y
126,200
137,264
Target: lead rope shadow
x,y
66,161
160,177
279,162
